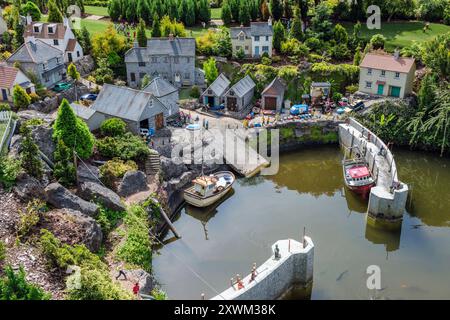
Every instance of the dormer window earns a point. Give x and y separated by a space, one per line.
36 29
369 71
50 30
55 42
256 38
45 65
241 37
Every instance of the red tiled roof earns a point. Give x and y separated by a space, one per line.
71 45
7 76
387 62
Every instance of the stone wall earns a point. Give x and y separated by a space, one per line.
49 105
276 276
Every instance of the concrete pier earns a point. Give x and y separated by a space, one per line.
387 200
277 275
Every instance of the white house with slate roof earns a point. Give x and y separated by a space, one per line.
214 95
41 59
240 95
139 109
254 40
172 59
166 93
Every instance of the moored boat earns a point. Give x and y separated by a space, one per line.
357 176
207 189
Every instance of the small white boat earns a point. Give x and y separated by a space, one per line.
209 189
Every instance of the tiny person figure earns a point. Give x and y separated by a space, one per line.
136 288
277 252
240 285
253 274
121 273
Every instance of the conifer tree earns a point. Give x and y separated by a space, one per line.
296 27
64 170
54 14
156 27
29 155
140 34
226 13
276 9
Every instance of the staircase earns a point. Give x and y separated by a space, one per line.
152 164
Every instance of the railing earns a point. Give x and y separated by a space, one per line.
5 116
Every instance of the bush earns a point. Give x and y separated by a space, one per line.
14 286
195 92
113 127
30 217
10 169
266 61
125 147
2 251
5 107
340 52
33 122
240 54
64 171
29 156
107 219
293 47
34 97
20 97
337 96
313 43
377 41
351 88
114 169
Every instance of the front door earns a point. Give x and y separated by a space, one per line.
4 95
232 104
380 89
69 56
270 103
159 121
395 92
257 51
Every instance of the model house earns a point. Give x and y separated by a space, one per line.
240 95
57 35
386 75
319 91
41 59
214 95
172 59
254 40
272 96
10 77
165 92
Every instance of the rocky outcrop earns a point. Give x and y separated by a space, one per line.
145 280
170 169
28 188
132 182
43 136
15 145
180 182
87 173
85 65
98 193
73 227
60 197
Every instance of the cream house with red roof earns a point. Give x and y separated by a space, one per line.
386 75
58 35
9 77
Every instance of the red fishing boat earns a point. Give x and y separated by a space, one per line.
357 176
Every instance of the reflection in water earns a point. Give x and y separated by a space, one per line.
309 191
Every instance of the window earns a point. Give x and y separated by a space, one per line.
45 65
383 73
246 47
369 71
57 60
256 38
368 84
141 64
397 75
46 79
267 38
36 29
166 59
154 60
56 42
78 54
265 48
241 38
238 48
50 29
132 77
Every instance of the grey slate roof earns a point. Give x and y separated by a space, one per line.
234 32
219 86
160 87
277 85
162 46
243 86
83 112
122 102
320 84
37 52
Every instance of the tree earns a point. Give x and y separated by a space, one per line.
303 5
21 99
29 155
210 68
426 94
141 37
73 131
18 27
226 13
14 286
296 27
224 47
190 15
156 27
377 41
106 42
143 10
340 34
204 11
279 35
84 39
254 9
276 9
436 55
32 9
244 13
54 14
73 73
114 10
234 6
357 57
145 81
64 171
321 23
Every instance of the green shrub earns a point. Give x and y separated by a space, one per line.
337 96
34 97
14 286
5 107
113 127
351 88
30 217
158 294
293 47
240 54
29 156
20 97
136 249
313 43
107 219
2 251
195 92
266 61
125 147
64 171
377 41
10 168
114 169
34 122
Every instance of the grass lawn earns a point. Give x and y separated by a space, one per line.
401 34
185 94
216 13
98 11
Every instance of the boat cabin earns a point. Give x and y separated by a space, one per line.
359 174
205 185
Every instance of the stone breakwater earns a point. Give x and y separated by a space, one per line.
277 275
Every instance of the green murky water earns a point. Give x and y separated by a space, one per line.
309 192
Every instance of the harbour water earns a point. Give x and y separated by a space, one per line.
309 192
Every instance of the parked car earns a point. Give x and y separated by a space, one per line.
298 109
358 106
89 96
59 87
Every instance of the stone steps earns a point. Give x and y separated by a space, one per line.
152 164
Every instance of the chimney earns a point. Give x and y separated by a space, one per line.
396 54
29 20
269 22
171 36
31 39
66 22
242 25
